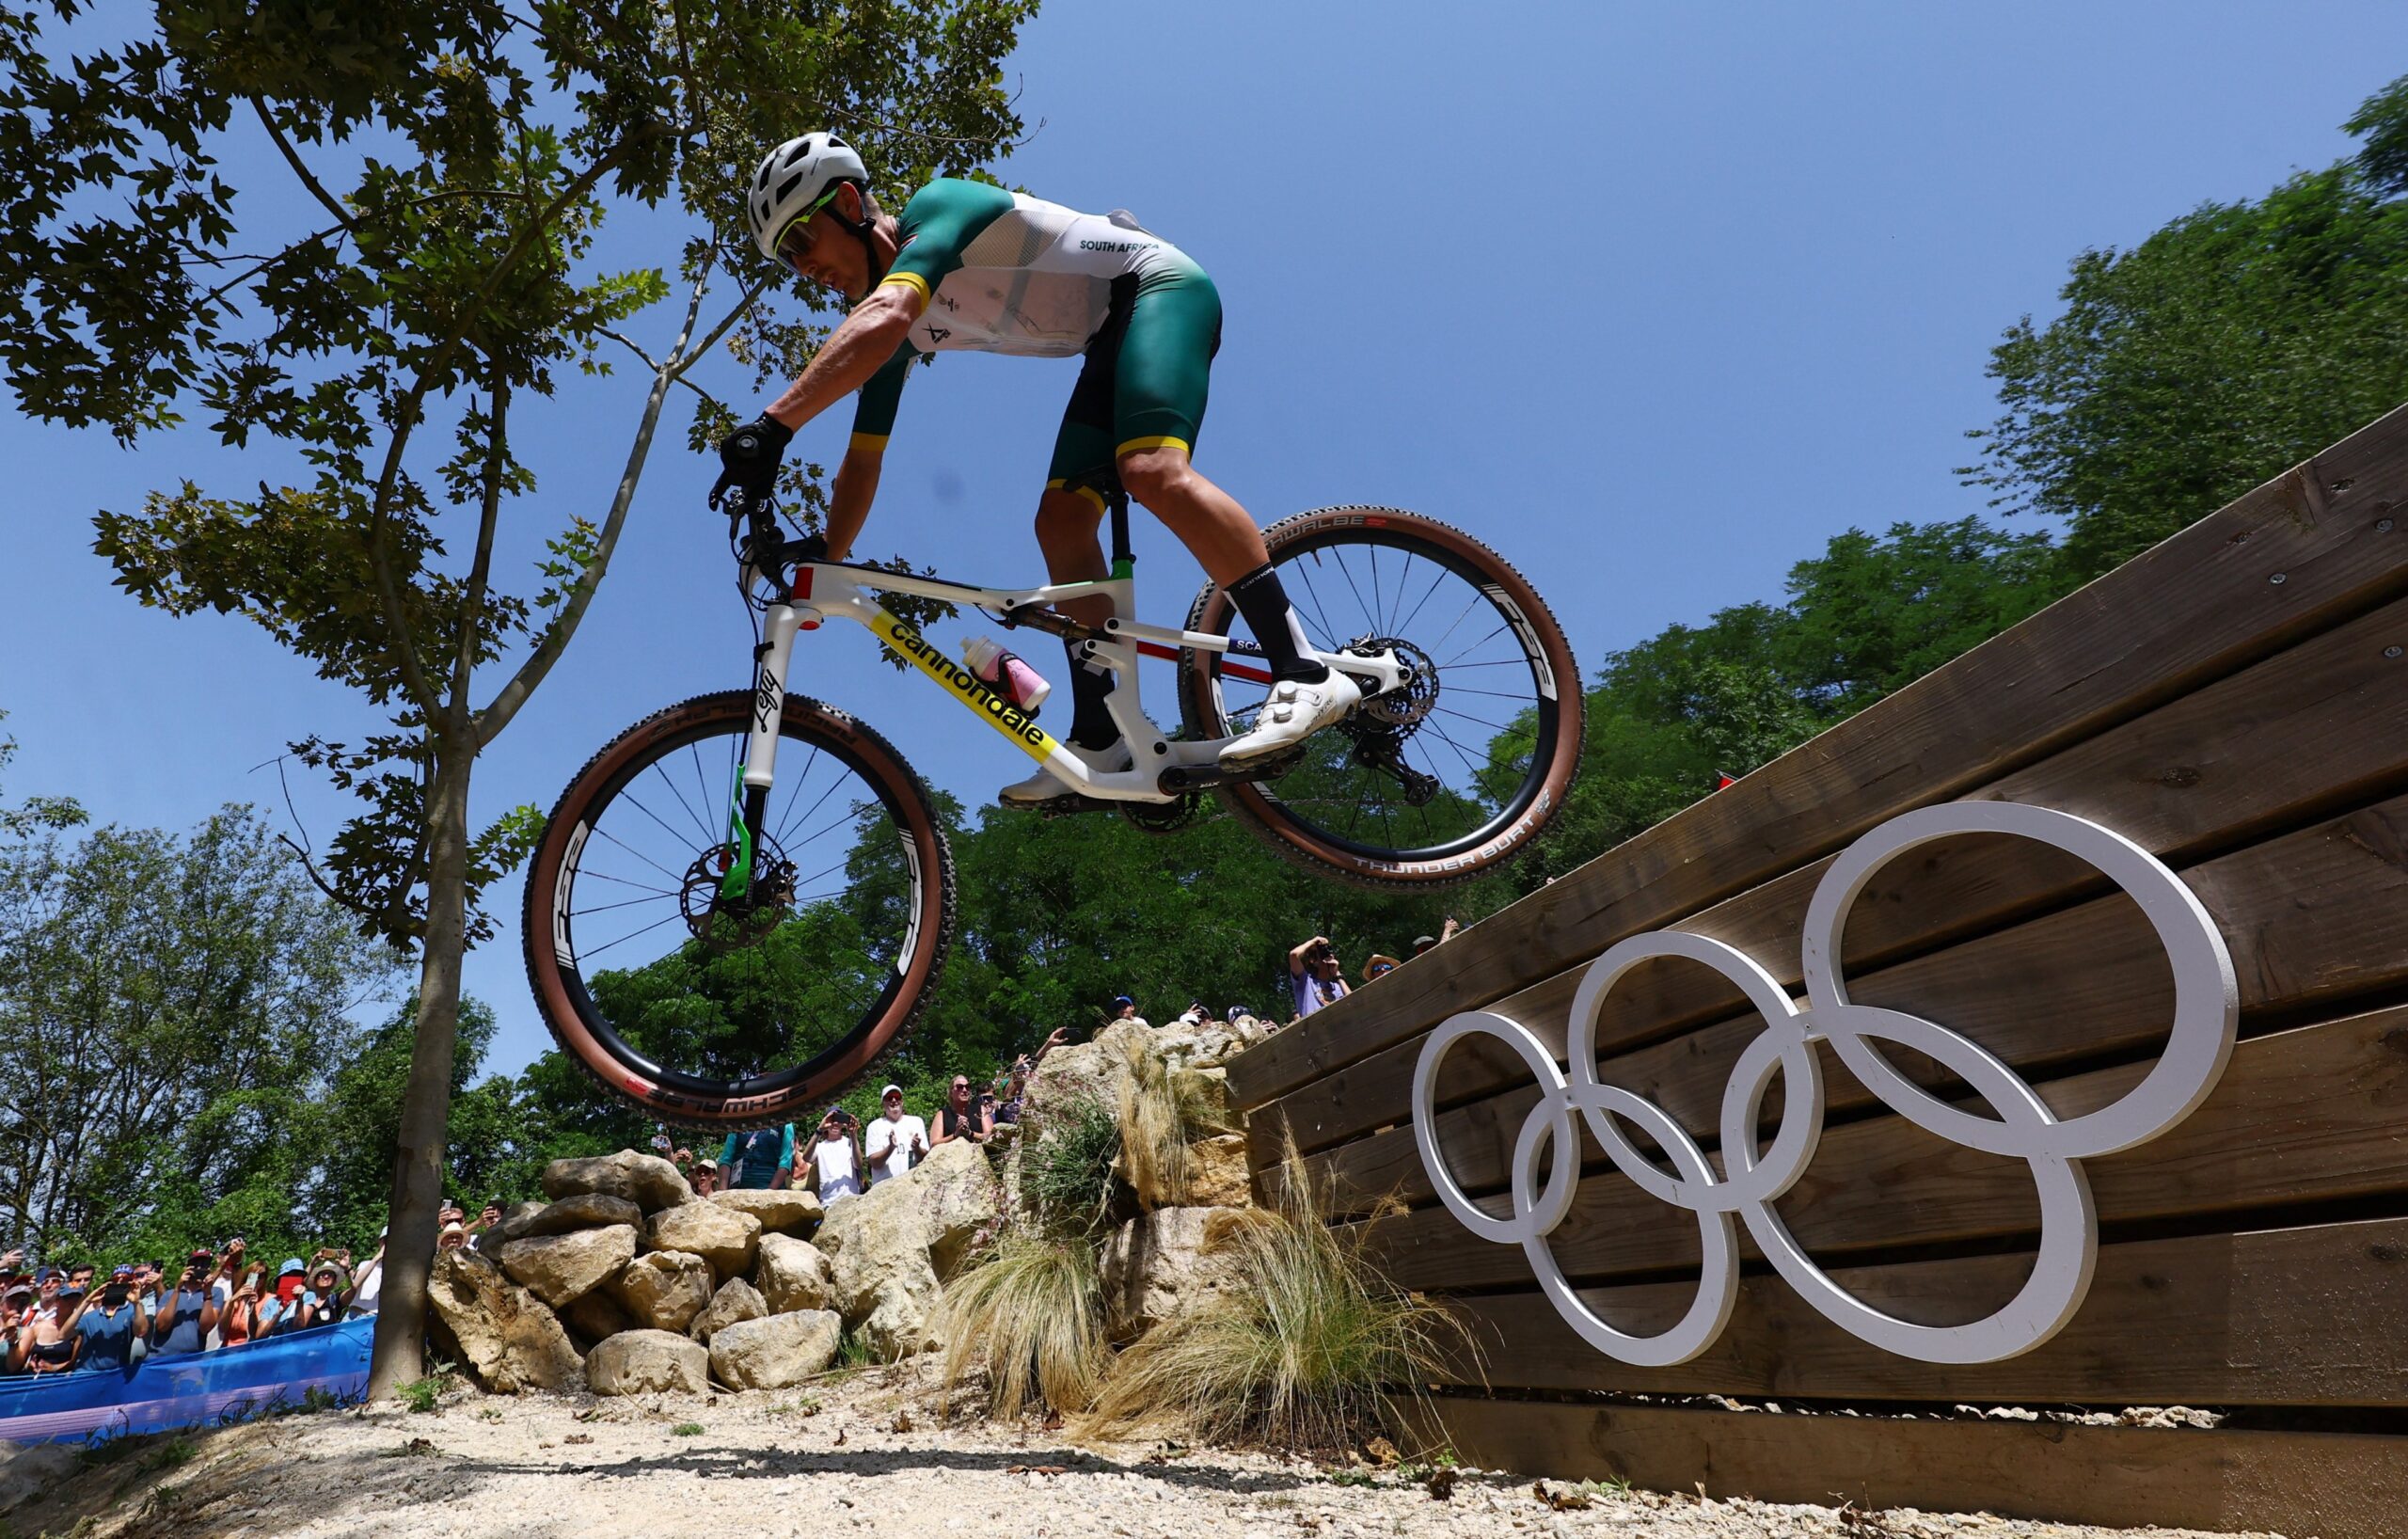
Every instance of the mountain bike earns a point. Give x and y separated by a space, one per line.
740 905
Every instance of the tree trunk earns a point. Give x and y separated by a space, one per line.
400 1355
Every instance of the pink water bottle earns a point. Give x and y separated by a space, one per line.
1006 673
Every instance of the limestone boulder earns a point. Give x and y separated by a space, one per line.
793 1274
890 1248
776 1352
636 1362
663 1290
725 1237
1219 1175
1080 1073
596 1316
735 1302
779 1213
560 1269
587 1210
515 1221
647 1181
1161 1263
503 1335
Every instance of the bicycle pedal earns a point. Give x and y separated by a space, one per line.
1202 777
1065 806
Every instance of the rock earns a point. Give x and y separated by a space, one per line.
735 1302
663 1290
560 1269
725 1237
1081 1072
636 1362
1218 1173
515 1219
1161 1263
588 1210
596 1316
779 1213
499 1332
888 1249
647 1181
793 1274
776 1352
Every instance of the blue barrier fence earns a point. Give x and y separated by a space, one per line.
194 1389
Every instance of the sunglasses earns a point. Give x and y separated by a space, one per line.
795 242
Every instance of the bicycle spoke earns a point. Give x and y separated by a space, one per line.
606 833
583 956
1502 626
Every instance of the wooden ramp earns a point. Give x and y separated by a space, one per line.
2235 704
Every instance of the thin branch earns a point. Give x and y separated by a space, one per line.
630 343
403 648
556 636
675 374
685 359
481 567
300 169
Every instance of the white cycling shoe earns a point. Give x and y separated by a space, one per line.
1291 713
1044 786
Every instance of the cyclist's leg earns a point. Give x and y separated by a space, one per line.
1069 512
1163 379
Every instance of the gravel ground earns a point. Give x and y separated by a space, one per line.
859 1455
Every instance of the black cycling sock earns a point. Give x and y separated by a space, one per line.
1091 722
1264 603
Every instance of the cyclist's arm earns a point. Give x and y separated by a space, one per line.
853 353
856 483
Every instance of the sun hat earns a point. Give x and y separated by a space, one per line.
1424 943
889 1090
1373 967
292 1264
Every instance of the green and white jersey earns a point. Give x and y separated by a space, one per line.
1002 272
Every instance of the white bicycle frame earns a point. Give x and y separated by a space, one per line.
821 590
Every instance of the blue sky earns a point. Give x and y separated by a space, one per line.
1655 299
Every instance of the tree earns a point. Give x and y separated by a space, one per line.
171 1011
39 812
2232 343
394 340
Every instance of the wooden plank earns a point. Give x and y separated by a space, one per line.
2196 775
2338 1485
2315 1316
2309 1114
2319 914
2290 559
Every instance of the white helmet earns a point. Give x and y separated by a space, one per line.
792 178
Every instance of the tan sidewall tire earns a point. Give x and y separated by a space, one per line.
859 1055
1258 811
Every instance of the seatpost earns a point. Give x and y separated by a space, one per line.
1123 561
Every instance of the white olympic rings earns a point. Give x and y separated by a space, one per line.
2206 1016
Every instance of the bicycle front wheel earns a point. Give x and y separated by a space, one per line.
1433 783
712 1004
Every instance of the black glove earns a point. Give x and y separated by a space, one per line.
748 458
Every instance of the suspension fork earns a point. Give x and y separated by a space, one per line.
748 801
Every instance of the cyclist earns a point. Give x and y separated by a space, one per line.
969 265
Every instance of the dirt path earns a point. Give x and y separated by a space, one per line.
859 1456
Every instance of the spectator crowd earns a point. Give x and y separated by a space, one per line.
55 1319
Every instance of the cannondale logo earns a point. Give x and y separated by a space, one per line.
2017 1124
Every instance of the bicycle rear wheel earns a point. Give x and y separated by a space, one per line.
712 1009
1437 781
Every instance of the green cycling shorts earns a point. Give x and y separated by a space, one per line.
1147 373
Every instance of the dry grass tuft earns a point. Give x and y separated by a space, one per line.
1161 1111
1303 1347
1030 1314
